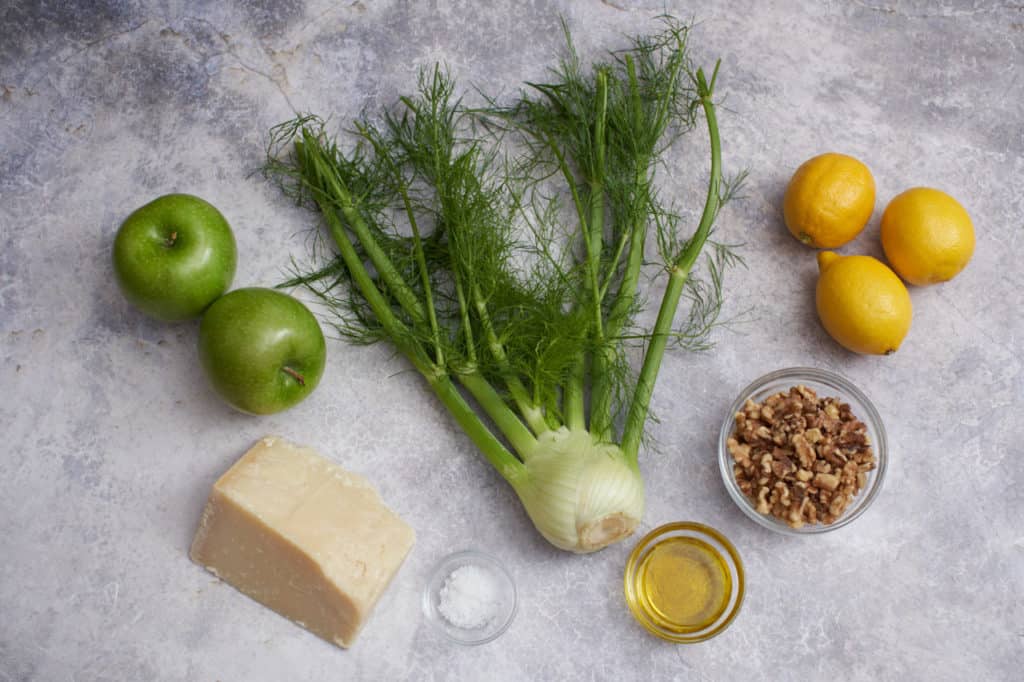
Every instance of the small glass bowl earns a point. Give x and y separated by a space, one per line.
507 597
708 540
826 384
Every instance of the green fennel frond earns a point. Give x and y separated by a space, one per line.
502 248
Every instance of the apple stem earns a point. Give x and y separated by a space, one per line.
295 375
170 240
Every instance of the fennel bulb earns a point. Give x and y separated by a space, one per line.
580 493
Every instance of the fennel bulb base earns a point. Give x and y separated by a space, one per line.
606 531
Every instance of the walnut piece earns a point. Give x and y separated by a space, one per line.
799 457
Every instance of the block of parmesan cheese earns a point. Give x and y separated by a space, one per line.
302 536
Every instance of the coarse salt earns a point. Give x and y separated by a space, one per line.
470 597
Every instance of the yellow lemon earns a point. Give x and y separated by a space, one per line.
829 200
927 236
862 303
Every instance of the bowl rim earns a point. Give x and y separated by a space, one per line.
731 556
871 418
448 563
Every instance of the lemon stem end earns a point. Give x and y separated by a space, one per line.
825 259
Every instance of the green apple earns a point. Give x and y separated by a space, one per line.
262 350
174 256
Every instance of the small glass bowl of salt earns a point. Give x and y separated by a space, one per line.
470 597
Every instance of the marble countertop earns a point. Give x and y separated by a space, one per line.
113 439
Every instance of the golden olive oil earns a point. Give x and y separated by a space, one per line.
683 583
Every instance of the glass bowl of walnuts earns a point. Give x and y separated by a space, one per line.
803 451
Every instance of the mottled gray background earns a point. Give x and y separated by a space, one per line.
111 438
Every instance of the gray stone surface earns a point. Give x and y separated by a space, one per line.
112 438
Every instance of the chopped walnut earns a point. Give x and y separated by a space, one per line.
828 481
740 453
804 450
762 503
799 457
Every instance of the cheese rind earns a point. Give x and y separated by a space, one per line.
302 536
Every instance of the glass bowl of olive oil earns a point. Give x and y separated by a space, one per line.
684 582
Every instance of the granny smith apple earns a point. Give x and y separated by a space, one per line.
174 256
262 350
